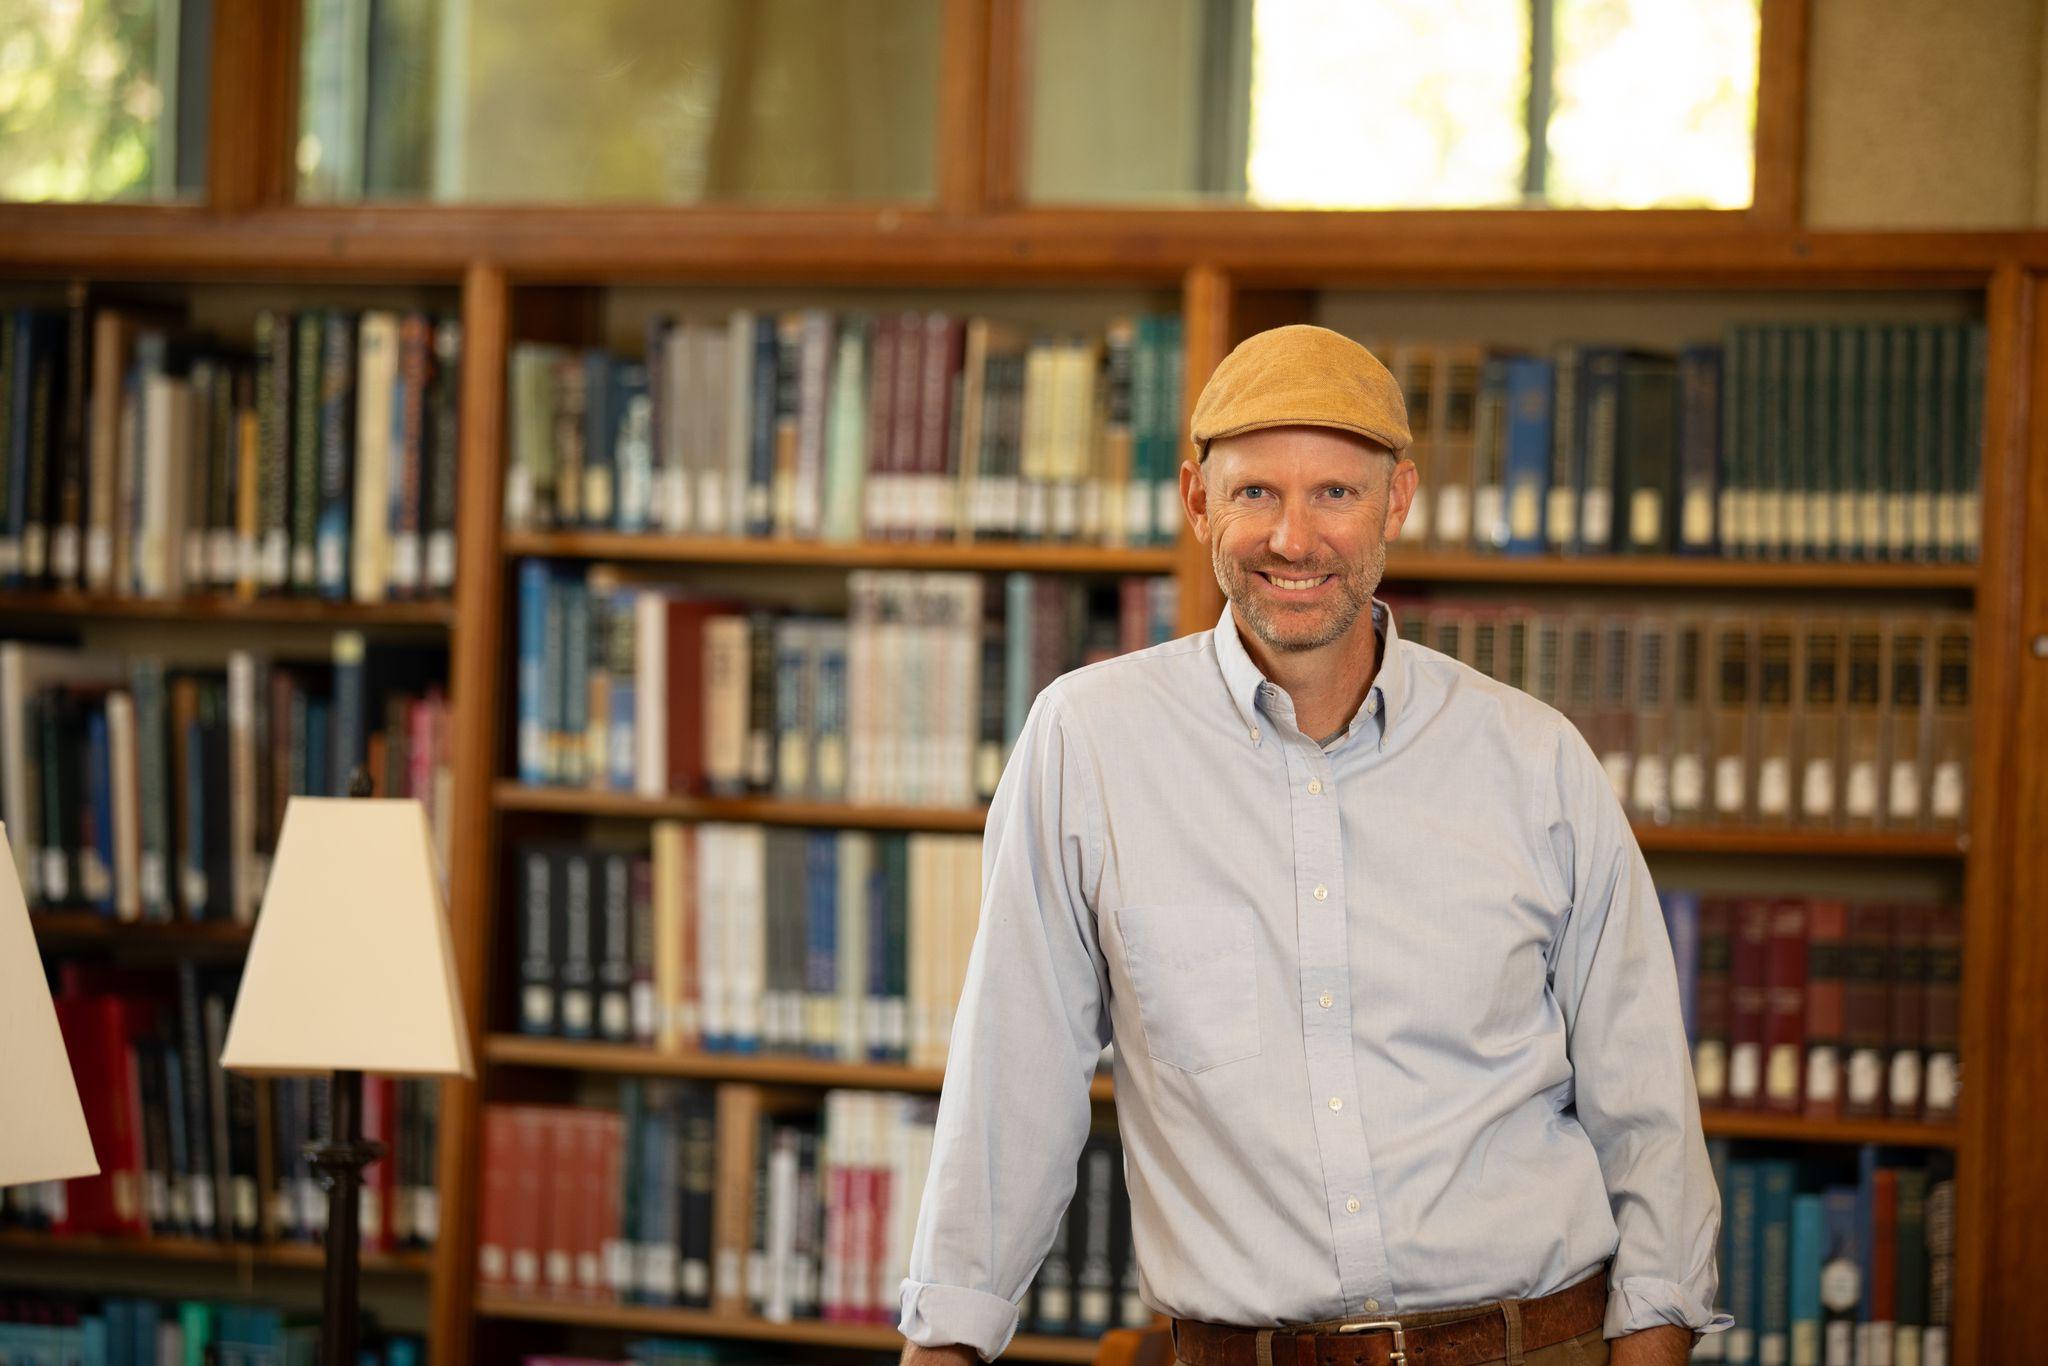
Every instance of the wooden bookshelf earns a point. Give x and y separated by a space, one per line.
294 1256
86 927
1234 270
704 1323
988 557
258 611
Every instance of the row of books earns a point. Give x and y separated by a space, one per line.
187 1149
145 792
41 1328
1088 1282
1818 1006
147 461
838 427
1813 720
1823 1267
688 1195
913 698
1804 441
841 944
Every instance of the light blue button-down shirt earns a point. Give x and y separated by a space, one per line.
1396 1017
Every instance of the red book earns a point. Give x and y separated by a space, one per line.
562 1191
686 695
532 1163
1884 1250
494 1220
1711 1001
1944 1007
1826 923
1866 1008
86 1022
881 428
944 341
907 415
602 1142
1907 1034
1748 995
1785 1006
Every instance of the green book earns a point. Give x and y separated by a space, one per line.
1923 477
1871 448
1821 430
1800 542
1898 442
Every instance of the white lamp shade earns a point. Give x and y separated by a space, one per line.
42 1128
350 967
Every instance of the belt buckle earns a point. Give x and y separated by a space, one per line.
1400 1354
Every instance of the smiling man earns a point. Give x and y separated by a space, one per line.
1400 1072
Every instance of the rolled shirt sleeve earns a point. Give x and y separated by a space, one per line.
1031 1023
1613 978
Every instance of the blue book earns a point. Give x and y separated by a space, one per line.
1809 1250
821 958
1525 461
94 1344
1775 1179
332 529
760 499
1682 924
319 747
828 711
660 1196
534 768
623 744
1743 1298
573 747
633 450
1841 1276
120 1318
98 875
147 1316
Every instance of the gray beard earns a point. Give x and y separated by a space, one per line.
1356 587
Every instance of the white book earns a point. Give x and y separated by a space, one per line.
167 433
650 693
856 866
814 368
370 527
746 925
846 438
739 423
244 891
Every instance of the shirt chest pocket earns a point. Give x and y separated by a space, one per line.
1194 974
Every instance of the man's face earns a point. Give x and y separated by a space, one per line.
1297 521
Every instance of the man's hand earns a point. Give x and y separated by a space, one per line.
914 1355
1668 1345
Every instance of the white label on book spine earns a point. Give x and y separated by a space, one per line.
1729 788
1525 514
597 494
1806 1343
1453 517
99 557
1823 1074
1066 509
1688 782
1905 1081
1798 528
405 561
1774 786
1817 788
1934 1346
1166 518
618 1266
642 997
1781 1073
1710 1069
1866 1077
1820 524
1597 518
695 1278
1770 1349
1616 762
1923 531
711 501
1841 1285
1645 518
1745 1070
220 556
1859 792
1415 530
1945 792
330 548
658 1271
490 1264
1560 518
1903 802
64 553
1696 520
194 548
1490 515
34 551
1652 788
1940 1082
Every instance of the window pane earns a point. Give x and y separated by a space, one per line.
659 101
1386 103
1655 103
103 99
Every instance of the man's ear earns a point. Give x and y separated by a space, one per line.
1400 496
1194 497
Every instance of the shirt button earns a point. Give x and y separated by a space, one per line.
1315 787
1336 1102
1352 1206
1371 1306
1322 892
1255 732
1324 1000
1372 706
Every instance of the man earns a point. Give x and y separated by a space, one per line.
1400 1061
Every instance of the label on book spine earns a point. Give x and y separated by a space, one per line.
1903 803
1904 1089
1945 792
1866 1077
1728 785
1823 1074
1817 788
1688 782
1859 790
1774 786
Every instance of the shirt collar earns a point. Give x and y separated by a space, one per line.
1243 678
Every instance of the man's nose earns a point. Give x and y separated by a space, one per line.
1292 534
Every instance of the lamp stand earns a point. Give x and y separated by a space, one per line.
338 1163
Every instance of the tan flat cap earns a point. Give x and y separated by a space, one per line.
1301 376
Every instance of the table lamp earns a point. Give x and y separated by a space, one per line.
350 971
42 1127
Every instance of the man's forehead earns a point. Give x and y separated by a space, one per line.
1279 449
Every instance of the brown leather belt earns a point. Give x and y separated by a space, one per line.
1441 1337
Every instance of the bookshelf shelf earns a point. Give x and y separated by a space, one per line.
291 1256
1899 1133
517 1050
986 556
76 927
1657 571
570 801
252 611
704 1323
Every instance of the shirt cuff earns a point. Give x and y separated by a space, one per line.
945 1315
1640 1302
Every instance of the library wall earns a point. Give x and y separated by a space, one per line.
1926 114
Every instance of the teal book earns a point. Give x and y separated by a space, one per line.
1744 1299
1775 1179
1809 1250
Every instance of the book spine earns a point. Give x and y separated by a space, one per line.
337 446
